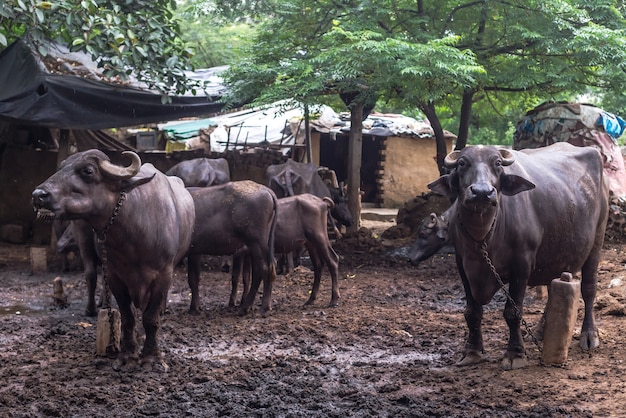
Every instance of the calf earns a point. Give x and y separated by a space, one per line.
292 178
301 221
432 235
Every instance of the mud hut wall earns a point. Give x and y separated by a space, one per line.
252 165
408 168
21 170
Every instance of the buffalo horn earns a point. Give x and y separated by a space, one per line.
451 159
507 156
119 172
433 221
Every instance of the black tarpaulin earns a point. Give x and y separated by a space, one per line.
31 94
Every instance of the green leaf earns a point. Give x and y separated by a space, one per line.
40 16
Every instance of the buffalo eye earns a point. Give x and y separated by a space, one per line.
87 172
462 163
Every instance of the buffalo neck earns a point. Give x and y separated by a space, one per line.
477 225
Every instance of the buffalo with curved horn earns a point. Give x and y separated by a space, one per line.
121 204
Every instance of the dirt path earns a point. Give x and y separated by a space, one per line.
388 350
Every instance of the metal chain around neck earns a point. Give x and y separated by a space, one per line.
111 349
518 313
102 237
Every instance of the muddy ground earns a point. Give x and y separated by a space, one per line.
388 350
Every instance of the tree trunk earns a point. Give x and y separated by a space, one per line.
442 151
464 122
355 151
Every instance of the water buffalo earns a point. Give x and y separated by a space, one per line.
201 172
293 178
532 214
432 235
79 235
228 217
301 221
145 220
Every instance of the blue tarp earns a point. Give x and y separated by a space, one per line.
186 130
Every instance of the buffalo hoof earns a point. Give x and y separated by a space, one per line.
469 358
514 363
154 364
333 304
243 311
91 312
126 363
589 339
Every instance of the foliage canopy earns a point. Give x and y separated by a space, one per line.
137 38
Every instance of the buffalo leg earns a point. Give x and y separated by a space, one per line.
91 277
246 277
472 353
193 278
234 278
248 300
151 320
260 272
89 258
331 259
128 346
589 338
515 355
318 266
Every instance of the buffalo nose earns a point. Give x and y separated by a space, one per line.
483 191
40 197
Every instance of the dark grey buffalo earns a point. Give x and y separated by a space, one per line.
536 213
228 217
201 172
432 235
146 220
292 178
301 221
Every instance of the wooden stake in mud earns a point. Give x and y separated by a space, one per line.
108 332
59 296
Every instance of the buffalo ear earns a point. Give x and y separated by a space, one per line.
446 185
135 181
511 184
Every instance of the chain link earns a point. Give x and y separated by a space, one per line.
111 349
518 313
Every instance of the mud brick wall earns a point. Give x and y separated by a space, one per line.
252 165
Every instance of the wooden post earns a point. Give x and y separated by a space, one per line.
108 332
59 296
355 152
307 133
